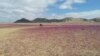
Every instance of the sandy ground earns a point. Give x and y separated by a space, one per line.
50 40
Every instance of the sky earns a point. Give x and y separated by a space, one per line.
12 10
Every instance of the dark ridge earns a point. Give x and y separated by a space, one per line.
23 20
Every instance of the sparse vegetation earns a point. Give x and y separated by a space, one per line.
50 40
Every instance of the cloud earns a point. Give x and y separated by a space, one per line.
85 14
68 4
24 8
30 9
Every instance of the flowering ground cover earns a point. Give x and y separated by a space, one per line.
50 40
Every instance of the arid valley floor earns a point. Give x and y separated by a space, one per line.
50 40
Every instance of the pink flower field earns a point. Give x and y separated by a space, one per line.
49 40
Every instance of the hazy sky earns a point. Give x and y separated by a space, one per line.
11 10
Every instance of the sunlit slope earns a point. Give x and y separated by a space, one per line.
6 33
11 30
